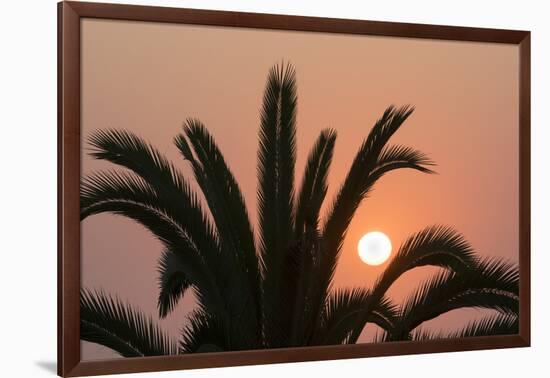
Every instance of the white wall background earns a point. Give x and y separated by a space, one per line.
28 186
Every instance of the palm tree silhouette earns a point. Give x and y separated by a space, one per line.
276 290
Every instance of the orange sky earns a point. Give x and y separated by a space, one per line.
149 77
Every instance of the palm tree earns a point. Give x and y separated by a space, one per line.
274 288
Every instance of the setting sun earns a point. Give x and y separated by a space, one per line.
374 248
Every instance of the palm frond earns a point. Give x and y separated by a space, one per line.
105 186
111 323
276 161
350 309
221 190
226 203
491 325
398 157
314 185
359 179
129 195
363 174
128 150
173 194
439 246
384 315
286 149
492 284
436 246
341 310
203 333
172 282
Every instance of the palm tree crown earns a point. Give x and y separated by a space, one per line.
275 288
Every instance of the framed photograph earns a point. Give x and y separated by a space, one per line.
239 188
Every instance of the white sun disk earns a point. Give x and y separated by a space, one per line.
374 248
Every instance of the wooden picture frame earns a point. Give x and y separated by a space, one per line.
70 15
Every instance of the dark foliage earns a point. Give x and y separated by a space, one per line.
109 322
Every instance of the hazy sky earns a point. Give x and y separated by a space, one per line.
149 77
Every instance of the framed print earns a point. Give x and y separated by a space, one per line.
239 188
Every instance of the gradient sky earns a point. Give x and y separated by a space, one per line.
149 77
